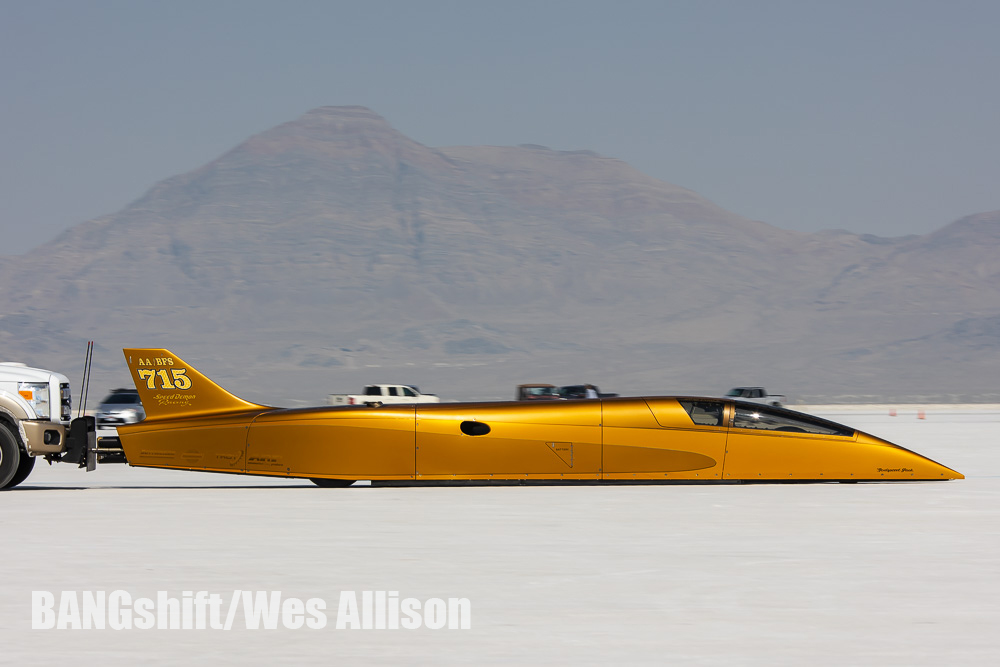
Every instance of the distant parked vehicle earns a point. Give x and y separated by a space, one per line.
537 392
757 395
580 391
121 406
383 394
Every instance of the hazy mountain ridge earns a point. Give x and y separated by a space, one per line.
335 242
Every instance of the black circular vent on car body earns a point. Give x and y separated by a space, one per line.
475 428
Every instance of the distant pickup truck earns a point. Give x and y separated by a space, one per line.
383 394
757 395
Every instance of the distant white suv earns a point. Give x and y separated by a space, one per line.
121 406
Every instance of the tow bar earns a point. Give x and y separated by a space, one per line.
84 448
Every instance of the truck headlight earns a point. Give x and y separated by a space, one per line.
37 395
66 401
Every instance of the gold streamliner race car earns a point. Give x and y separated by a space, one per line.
193 424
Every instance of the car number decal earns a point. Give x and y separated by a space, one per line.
176 379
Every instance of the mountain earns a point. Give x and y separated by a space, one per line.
333 251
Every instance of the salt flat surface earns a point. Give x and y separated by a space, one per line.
829 574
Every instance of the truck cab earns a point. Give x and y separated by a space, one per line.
537 392
394 390
756 395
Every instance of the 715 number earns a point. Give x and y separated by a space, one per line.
177 379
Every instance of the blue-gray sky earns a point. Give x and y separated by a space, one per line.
876 116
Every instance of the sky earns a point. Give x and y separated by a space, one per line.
878 117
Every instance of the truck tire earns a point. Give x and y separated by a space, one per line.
23 470
10 455
331 483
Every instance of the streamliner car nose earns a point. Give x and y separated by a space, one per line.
775 444
897 462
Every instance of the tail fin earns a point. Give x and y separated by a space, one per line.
169 387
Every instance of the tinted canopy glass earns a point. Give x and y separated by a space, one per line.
705 413
770 419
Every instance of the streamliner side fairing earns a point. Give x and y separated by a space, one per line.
193 424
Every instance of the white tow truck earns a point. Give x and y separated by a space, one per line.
383 394
36 419
35 412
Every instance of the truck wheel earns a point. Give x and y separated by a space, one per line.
23 470
10 455
331 483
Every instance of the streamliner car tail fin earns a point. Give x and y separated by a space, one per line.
169 387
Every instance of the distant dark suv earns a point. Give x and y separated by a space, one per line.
121 406
580 391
